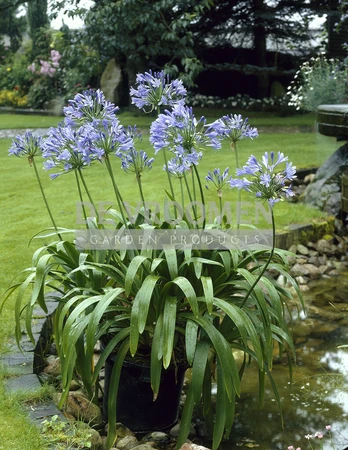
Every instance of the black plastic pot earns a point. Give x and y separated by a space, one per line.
135 406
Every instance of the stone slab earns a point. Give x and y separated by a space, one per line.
40 412
28 383
19 362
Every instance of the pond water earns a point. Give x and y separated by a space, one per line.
318 395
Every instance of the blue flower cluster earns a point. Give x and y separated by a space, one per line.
27 145
154 89
218 180
182 134
265 182
91 132
234 128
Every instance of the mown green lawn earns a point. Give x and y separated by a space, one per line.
10 121
23 215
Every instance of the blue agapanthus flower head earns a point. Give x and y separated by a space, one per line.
108 137
218 180
154 89
265 179
87 106
180 132
68 148
177 167
26 145
135 161
233 128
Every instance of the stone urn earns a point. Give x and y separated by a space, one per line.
325 192
333 120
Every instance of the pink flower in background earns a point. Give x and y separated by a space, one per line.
328 427
48 68
55 57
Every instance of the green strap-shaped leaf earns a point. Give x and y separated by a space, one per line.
199 367
113 390
156 355
42 269
207 397
245 326
226 261
221 400
284 336
18 311
132 271
261 388
140 310
191 332
97 315
187 288
110 348
169 321
172 262
223 351
155 263
207 284
265 316
230 413
186 417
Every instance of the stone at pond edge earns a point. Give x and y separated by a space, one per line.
53 366
190 446
127 443
302 249
158 437
79 406
324 191
176 428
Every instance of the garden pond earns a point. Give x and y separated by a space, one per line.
318 394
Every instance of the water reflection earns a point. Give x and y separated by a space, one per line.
319 393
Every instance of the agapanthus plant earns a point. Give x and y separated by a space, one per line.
174 305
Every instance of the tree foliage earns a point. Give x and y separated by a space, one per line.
142 34
10 24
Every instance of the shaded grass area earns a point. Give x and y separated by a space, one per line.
16 432
11 121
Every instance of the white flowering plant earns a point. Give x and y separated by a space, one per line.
209 306
319 81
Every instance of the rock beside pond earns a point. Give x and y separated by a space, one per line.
127 443
324 191
53 366
81 408
302 249
191 446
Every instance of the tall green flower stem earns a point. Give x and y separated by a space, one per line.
233 146
138 177
191 200
88 193
201 194
81 198
182 194
32 160
267 262
166 165
116 190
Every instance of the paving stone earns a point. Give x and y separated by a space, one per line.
21 362
43 411
28 383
